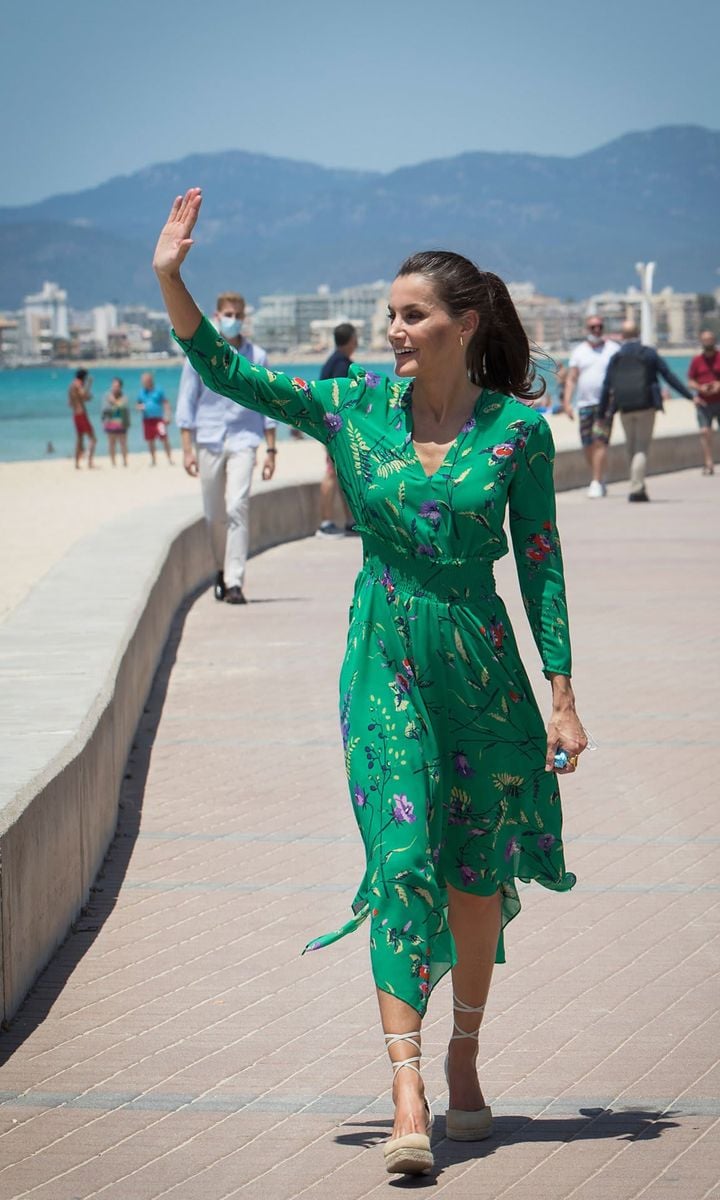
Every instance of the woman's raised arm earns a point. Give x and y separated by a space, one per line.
171 251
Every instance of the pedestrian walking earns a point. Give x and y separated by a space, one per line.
220 440
337 366
156 413
632 389
583 383
704 379
79 396
116 420
450 767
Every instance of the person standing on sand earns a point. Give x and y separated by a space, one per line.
704 379
79 395
156 416
337 366
116 420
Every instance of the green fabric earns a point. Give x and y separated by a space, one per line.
444 743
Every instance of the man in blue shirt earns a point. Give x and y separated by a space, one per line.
156 416
631 388
219 442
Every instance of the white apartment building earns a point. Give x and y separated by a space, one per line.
44 321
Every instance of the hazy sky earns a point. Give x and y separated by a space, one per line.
90 89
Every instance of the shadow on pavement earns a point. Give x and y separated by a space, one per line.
106 888
590 1124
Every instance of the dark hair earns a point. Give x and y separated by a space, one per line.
81 373
344 333
498 356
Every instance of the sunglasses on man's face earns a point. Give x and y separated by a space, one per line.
596 328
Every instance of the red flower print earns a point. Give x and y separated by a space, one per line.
301 383
497 633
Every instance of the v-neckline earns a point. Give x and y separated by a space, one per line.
409 429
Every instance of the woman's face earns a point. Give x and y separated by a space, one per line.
423 335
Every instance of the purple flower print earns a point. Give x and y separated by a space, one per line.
462 766
467 875
359 796
428 550
403 810
546 841
469 424
431 510
333 422
345 731
513 847
371 379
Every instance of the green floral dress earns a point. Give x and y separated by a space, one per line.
444 742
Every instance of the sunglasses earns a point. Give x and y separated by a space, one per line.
596 328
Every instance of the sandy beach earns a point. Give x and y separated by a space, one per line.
51 505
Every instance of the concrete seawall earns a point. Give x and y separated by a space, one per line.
77 659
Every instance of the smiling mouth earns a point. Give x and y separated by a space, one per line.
404 350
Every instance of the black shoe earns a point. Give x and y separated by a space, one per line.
219 588
350 530
235 595
638 497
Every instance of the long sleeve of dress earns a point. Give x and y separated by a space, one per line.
312 407
536 546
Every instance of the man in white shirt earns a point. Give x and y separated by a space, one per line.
219 442
586 374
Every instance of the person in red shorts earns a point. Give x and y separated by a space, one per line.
79 395
156 416
704 379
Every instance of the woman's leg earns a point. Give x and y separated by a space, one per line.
475 926
111 447
408 1089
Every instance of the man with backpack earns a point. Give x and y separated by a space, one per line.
632 389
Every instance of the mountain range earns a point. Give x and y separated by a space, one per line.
572 226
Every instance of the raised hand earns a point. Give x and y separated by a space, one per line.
175 238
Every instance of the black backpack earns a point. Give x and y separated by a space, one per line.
630 381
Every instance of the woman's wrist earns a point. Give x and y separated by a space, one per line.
563 696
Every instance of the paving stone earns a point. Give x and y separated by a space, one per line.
191 1053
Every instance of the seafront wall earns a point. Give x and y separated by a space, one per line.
77 659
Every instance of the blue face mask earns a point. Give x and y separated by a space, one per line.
230 327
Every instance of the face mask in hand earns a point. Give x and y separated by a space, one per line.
230 327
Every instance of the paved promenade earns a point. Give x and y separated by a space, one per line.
178 1046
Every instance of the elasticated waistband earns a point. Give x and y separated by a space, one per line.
425 575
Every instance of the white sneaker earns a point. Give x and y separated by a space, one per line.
596 491
328 529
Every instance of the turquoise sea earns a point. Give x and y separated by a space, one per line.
34 413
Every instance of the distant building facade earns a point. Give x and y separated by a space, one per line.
44 322
676 315
286 321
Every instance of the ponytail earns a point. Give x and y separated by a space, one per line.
498 356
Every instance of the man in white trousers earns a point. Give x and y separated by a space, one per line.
219 442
